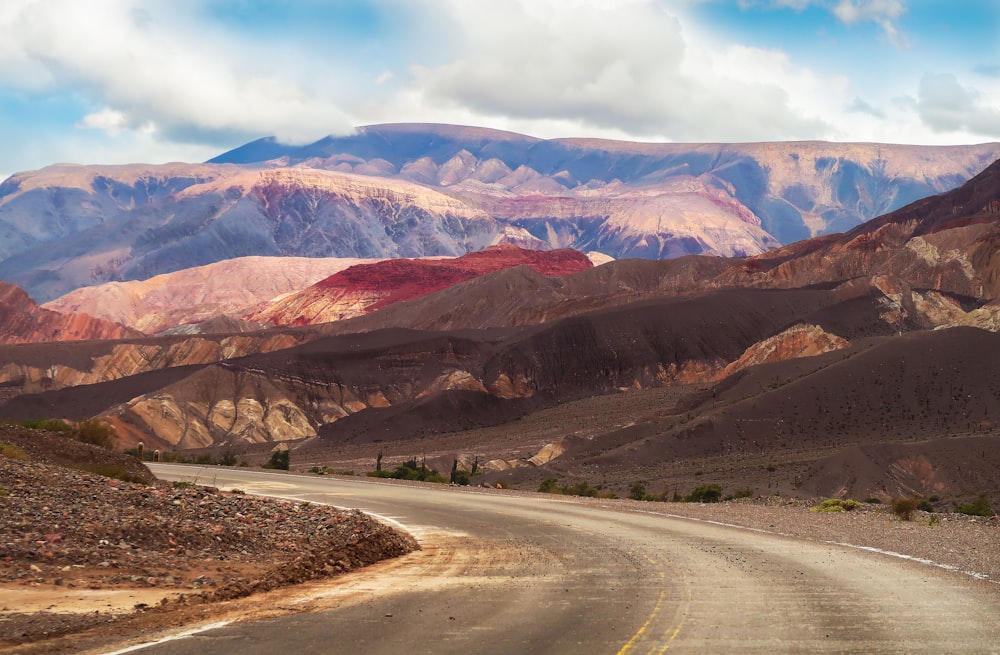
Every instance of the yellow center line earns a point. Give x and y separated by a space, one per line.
645 626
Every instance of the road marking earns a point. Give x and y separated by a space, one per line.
645 626
173 637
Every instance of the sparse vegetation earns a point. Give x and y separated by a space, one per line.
582 488
706 493
978 507
904 507
410 470
872 500
836 505
10 451
92 430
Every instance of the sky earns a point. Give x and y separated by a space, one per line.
122 81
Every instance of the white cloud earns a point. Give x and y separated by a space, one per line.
627 65
945 105
156 64
883 13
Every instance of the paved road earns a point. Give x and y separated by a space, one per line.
510 574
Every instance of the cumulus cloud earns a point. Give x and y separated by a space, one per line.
627 65
945 105
157 65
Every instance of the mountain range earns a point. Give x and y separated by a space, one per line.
432 190
854 363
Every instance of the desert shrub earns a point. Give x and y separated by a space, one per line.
743 493
706 493
836 505
925 506
183 484
410 470
280 460
904 507
238 492
872 500
935 520
96 432
549 486
10 451
638 491
978 507
49 425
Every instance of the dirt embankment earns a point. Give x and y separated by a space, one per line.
80 551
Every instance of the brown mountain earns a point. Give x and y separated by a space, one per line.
23 321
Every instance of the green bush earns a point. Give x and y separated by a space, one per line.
706 493
637 491
836 505
549 486
978 507
925 506
280 460
410 470
743 493
904 507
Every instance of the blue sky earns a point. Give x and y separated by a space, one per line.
117 81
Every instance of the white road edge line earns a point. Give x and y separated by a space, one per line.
173 637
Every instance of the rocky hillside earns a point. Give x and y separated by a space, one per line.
22 321
192 296
365 288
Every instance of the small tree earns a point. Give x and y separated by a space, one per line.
637 491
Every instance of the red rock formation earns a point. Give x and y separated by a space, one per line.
368 287
23 321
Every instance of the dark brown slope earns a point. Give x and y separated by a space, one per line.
640 345
831 411
948 243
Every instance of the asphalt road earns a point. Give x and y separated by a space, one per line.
512 574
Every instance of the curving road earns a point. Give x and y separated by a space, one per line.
510 574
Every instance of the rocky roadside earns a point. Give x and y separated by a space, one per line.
69 530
